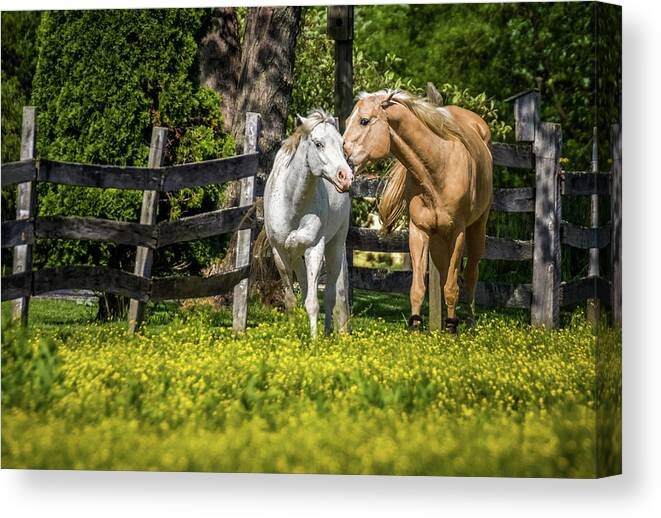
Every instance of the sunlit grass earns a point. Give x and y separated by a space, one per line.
501 399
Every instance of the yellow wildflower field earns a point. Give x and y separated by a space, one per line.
503 399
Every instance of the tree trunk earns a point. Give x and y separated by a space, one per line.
220 59
257 77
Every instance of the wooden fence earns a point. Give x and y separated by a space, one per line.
539 147
147 235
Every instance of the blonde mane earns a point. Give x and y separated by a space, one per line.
312 120
438 119
391 205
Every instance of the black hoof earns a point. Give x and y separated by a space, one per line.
451 325
415 323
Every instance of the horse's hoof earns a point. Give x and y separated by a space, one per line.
451 325
415 323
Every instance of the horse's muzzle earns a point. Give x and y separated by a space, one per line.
343 180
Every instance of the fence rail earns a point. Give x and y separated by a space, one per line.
147 235
161 179
487 294
110 280
165 233
371 240
585 237
580 290
518 156
577 183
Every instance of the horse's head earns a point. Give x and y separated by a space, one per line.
367 135
324 154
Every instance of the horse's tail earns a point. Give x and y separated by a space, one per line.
392 205
262 259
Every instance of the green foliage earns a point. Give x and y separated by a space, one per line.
103 79
502 49
19 59
314 83
503 399
481 104
31 369
13 100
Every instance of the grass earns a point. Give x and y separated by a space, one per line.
501 399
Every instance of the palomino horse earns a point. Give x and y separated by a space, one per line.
442 174
306 216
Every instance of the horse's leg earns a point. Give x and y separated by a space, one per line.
314 256
418 249
335 297
475 238
284 271
330 296
307 233
301 276
451 289
342 310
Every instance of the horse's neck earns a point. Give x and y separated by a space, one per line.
411 144
297 181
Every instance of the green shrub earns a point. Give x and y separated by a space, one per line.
103 79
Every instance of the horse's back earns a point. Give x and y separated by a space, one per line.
477 131
467 119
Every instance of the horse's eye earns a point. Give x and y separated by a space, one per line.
320 145
364 121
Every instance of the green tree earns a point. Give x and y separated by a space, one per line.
103 79
19 59
499 49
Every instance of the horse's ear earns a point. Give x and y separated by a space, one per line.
336 123
299 120
389 99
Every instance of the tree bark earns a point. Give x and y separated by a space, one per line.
266 77
257 76
220 59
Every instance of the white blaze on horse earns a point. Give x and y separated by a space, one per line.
306 217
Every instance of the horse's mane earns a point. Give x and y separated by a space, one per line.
312 120
438 119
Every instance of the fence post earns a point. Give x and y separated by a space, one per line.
527 107
144 256
593 307
616 223
25 209
545 309
244 237
340 29
435 289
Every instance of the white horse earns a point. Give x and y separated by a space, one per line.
307 209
